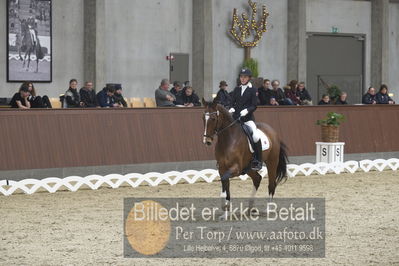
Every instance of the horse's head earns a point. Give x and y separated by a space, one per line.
211 118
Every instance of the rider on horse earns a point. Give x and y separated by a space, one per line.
244 104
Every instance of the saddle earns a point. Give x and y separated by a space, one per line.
264 139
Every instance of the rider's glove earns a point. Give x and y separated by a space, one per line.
232 110
244 112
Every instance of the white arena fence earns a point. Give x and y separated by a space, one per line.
74 183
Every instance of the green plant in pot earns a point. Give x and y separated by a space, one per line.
330 126
334 92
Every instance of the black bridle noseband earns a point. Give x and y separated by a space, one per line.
218 131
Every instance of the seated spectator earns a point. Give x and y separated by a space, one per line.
88 95
303 94
265 93
325 100
176 88
35 100
290 92
278 93
342 99
273 102
188 98
105 97
223 97
118 97
72 97
383 97
370 97
20 99
163 96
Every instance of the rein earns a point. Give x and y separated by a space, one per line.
217 132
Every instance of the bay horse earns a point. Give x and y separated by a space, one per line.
232 151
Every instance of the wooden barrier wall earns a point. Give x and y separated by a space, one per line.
38 139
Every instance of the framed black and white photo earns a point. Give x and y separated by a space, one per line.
29 41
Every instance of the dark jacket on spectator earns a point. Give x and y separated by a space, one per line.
183 99
290 94
279 96
104 100
88 97
369 99
173 91
120 100
72 99
383 98
303 95
339 102
324 103
223 97
15 98
264 96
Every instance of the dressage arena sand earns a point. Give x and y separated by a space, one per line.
85 227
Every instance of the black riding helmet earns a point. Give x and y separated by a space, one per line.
245 72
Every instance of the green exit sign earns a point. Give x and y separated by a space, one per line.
334 29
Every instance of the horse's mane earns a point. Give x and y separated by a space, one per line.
225 112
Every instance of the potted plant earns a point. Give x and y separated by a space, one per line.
334 92
330 127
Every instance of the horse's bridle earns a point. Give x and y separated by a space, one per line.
218 131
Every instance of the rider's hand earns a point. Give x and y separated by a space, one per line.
232 110
244 112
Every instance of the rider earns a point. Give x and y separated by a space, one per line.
244 104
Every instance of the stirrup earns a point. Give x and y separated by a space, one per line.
256 165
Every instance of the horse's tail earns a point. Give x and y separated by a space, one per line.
282 164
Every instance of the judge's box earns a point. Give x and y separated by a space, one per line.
330 152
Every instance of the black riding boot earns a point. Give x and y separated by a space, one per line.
257 160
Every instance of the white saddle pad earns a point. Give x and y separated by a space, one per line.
264 139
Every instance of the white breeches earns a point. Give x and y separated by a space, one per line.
255 135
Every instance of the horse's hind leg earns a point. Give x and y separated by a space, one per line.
256 179
272 174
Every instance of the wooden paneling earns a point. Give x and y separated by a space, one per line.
37 139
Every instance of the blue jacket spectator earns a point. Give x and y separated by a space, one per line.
105 97
383 97
370 97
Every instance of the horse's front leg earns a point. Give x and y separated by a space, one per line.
27 68
225 176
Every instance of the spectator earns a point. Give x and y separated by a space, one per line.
163 96
342 99
35 100
105 97
118 97
303 94
370 97
72 97
325 100
290 92
20 99
176 88
188 98
278 93
88 95
223 97
273 102
265 93
383 97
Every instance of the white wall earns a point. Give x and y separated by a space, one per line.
67 49
140 34
271 52
394 50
